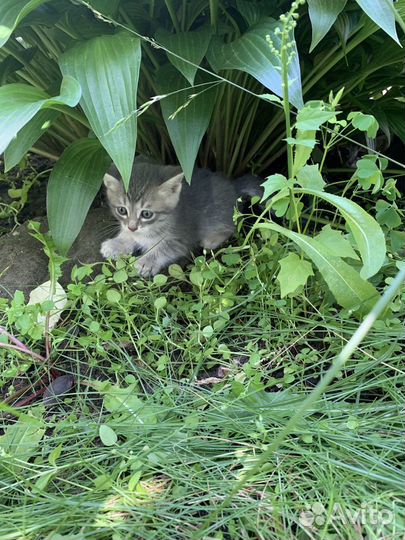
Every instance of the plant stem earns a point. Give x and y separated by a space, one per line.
286 104
22 350
214 14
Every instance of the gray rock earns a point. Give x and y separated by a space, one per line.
24 266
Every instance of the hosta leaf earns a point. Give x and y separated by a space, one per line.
367 232
20 102
382 13
252 12
323 13
73 184
346 285
27 136
107 68
8 66
11 13
294 273
186 119
106 7
189 45
251 53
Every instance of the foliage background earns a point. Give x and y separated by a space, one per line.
157 430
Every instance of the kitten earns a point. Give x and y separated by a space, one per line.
165 219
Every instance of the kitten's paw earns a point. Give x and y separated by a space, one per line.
111 249
146 269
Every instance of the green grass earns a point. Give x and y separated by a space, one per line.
141 366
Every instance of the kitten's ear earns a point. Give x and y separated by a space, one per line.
170 190
112 183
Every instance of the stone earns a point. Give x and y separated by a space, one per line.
24 265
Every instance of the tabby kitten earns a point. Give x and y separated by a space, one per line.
164 219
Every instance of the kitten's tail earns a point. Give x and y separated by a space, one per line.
248 186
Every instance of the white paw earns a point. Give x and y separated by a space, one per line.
145 268
111 248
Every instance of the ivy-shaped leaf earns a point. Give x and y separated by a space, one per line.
294 273
336 243
309 177
273 184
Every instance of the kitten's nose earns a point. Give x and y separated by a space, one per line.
132 227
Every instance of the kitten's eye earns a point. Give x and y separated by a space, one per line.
122 211
147 214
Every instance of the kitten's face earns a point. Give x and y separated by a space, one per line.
144 210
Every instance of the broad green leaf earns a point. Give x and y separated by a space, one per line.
252 12
387 214
251 53
20 102
186 113
313 115
191 46
294 273
309 177
397 241
364 122
73 184
336 243
20 440
369 174
27 136
12 12
304 144
382 12
273 183
107 435
280 206
367 232
346 285
323 13
107 68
